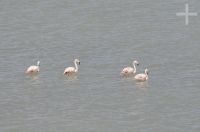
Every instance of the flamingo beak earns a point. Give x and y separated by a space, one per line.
79 62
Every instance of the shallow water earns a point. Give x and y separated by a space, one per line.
106 36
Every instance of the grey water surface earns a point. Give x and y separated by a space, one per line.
105 35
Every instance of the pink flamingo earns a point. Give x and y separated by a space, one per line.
127 71
142 76
33 69
72 70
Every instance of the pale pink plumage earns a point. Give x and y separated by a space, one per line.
72 70
142 76
69 70
33 69
127 71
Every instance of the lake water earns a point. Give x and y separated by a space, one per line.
106 35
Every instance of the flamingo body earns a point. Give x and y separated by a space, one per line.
69 70
127 70
33 69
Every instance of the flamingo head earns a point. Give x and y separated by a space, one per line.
77 61
136 62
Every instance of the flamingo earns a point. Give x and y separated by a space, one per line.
127 71
142 76
33 69
72 70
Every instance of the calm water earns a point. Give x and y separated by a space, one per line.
106 35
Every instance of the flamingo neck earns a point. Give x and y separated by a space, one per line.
76 66
38 63
147 77
134 67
